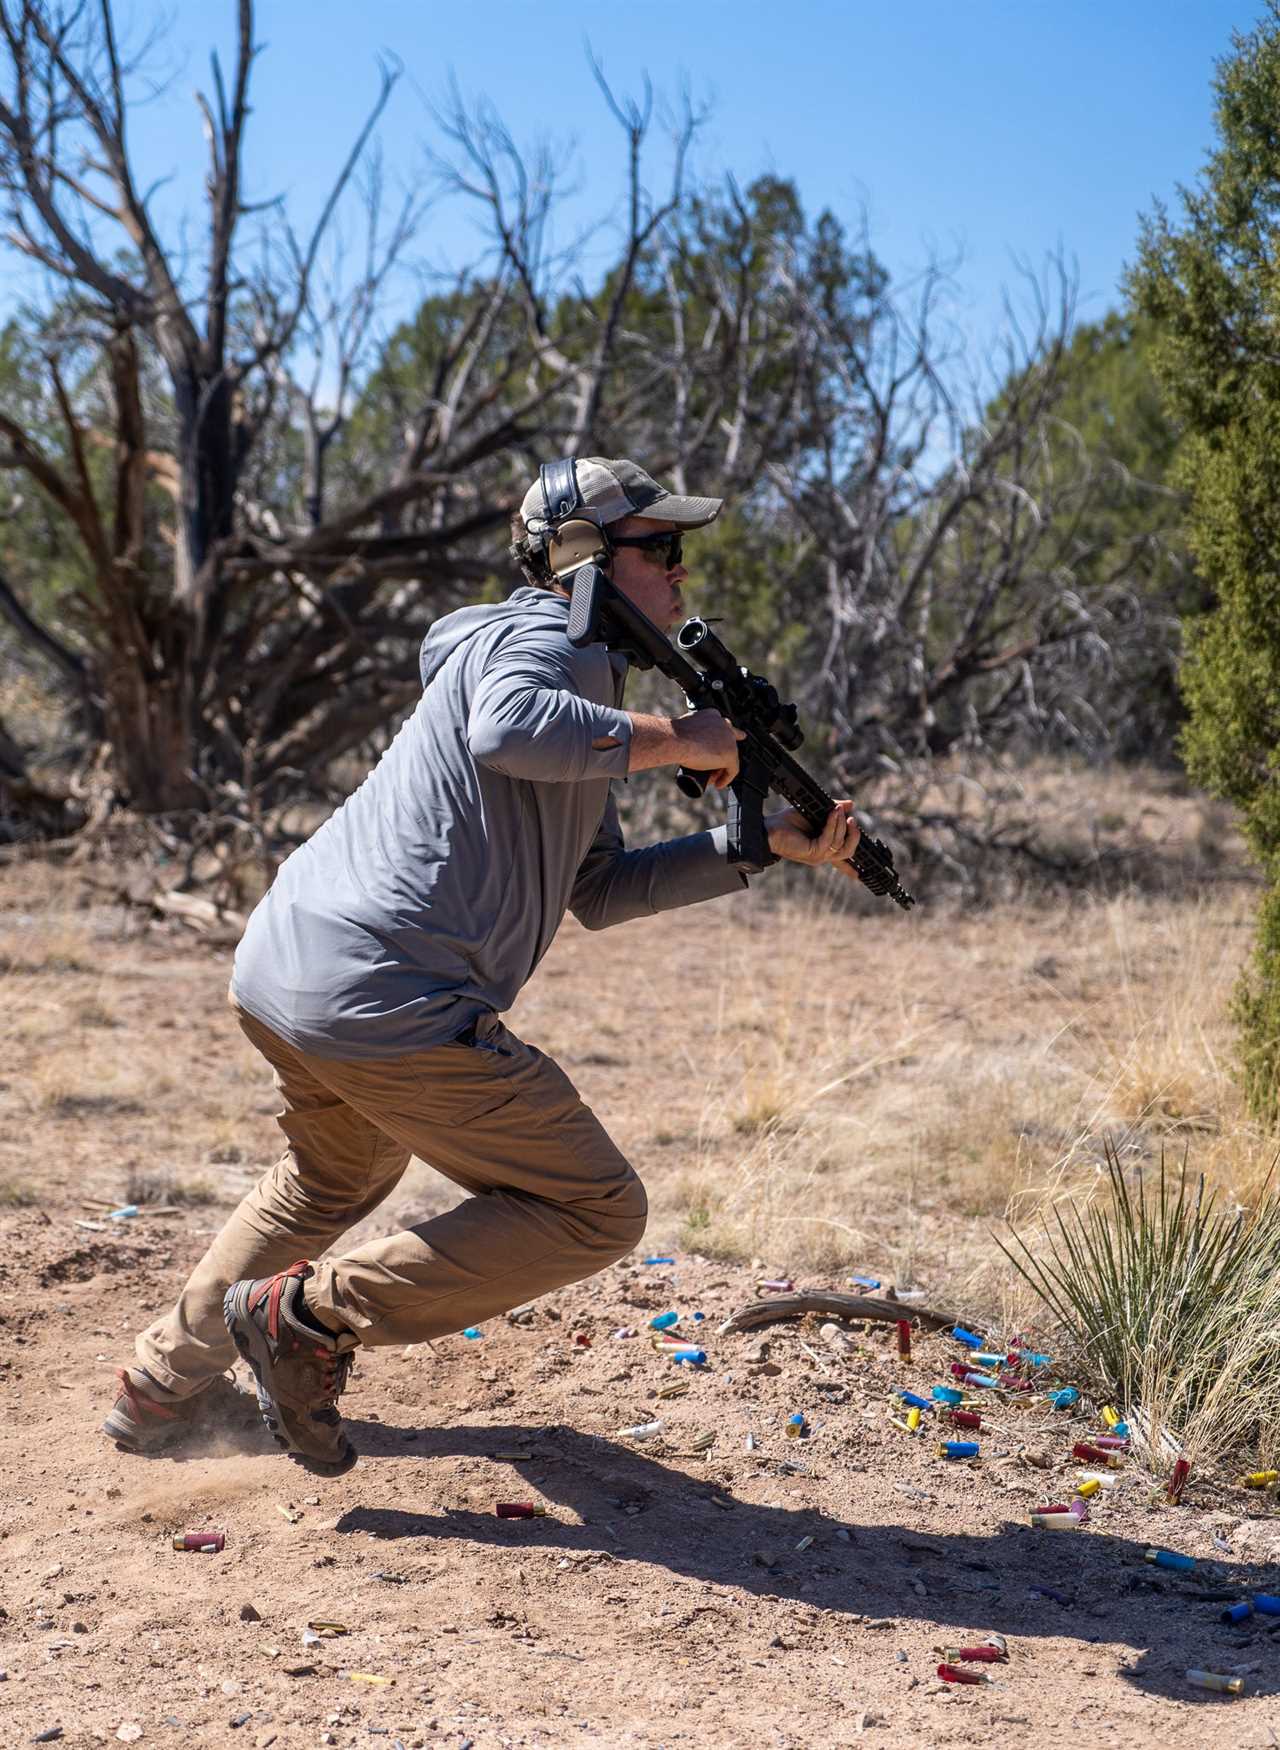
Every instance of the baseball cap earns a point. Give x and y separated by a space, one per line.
612 490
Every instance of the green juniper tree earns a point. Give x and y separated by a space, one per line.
1208 280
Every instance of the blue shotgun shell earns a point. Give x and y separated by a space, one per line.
1266 1604
664 1321
958 1449
473 1331
1238 1612
1121 1430
657 1260
947 1394
916 1402
1063 1400
1168 1558
967 1338
866 1281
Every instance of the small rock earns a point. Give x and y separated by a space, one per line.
53 1572
237 1720
229 1686
48 1735
311 1500
843 1535
901 1656
328 1738
264 1739
129 1732
778 1641
249 1614
79 1628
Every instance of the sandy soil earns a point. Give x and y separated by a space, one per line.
664 1599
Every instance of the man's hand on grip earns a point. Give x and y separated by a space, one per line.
708 742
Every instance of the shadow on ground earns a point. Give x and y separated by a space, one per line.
1094 1587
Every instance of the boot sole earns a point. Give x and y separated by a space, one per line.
253 1348
127 1439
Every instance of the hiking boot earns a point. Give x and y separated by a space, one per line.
300 1369
147 1418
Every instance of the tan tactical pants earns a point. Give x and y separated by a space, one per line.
552 1199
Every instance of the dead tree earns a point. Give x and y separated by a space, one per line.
187 637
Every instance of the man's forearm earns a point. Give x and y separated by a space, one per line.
702 740
655 741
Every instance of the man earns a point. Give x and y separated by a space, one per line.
373 974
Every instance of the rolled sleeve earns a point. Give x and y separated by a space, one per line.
529 718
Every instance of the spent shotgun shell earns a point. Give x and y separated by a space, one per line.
1216 1680
904 1339
1111 1442
1109 1416
986 1654
1266 1604
780 1285
1054 1521
1088 1488
957 1449
865 1281
913 1419
1260 1479
946 1394
1063 1400
966 1337
1168 1558
664 1321
914 1400
1178 1481
962 1418
1238 1612
953 1674
796 1425
209 1542
1095 1455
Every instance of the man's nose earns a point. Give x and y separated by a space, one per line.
677 574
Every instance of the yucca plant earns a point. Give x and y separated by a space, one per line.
1171 1302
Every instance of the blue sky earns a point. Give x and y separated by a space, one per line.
999 129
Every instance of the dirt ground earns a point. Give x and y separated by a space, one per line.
665 1597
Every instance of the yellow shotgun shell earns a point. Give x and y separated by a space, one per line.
1259 1479
1088 1489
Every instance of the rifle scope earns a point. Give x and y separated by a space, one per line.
752 700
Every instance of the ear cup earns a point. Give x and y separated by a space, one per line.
575 543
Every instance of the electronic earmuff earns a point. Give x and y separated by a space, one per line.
571 541
576 542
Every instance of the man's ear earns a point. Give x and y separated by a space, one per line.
576 543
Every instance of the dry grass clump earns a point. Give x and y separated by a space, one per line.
145 1186
1173 1302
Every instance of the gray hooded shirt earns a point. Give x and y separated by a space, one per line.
431 894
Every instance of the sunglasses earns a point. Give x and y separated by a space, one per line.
664 550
